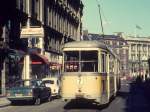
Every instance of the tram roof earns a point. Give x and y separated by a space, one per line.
85 44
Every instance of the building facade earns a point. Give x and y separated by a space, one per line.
50 24
139 53
120 47
7 14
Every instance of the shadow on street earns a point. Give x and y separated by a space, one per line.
27 103
83 104
136 98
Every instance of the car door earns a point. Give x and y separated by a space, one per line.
44 91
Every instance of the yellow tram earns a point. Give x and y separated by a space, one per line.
90 71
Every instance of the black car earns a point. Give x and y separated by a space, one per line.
29 90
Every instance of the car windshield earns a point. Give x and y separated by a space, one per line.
48 81
25 83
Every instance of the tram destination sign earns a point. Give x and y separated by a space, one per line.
30 32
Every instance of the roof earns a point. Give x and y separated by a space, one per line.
141 39
85 44
50 78
92 36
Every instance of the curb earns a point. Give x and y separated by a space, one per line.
4 102
4 105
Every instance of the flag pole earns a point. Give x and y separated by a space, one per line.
135 35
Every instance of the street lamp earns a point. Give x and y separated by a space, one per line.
139 59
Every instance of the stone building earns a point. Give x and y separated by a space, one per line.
50 24
139 53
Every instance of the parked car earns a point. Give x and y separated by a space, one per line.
29 90
54 84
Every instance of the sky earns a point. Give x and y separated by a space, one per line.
117 16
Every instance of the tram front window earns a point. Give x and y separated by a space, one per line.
89 61
81 61
71 61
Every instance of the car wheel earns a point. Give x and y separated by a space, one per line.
58 96
13 102
49 98
37 101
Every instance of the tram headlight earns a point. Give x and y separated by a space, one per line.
79 91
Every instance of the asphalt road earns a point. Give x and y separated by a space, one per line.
129 99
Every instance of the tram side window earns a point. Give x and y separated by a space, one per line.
103 62
89 61
71 61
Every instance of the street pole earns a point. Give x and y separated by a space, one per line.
3 78
139 60
3 81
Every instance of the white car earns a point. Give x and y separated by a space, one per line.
54 84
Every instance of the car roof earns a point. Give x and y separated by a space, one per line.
29 80
50 78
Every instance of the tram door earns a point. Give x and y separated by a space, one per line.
104 77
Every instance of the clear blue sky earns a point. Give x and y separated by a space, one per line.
118 16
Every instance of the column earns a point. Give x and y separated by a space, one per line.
130 58
26 68
28 12
41 45
42 11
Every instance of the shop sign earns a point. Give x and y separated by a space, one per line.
55 66
28 32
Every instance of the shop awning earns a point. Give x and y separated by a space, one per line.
38 59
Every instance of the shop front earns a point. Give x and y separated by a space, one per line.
38 66
55 69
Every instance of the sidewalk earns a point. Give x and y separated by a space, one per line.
3 101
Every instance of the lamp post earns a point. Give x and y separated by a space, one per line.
139 52
139 60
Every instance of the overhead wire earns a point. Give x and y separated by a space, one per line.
101 21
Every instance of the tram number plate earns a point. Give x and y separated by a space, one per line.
79 96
